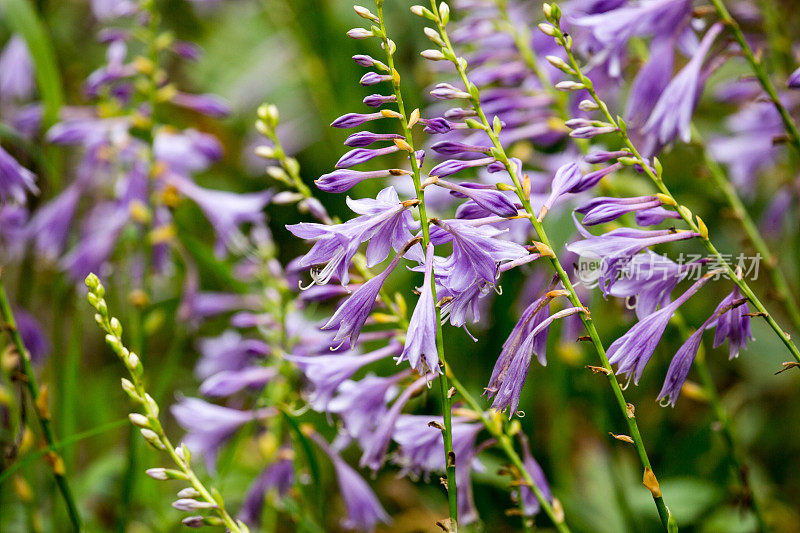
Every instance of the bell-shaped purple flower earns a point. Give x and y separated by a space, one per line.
733 324
420 348
327 372
672 115
364 511
632 351
793 82
530 503
16 181
362 404
209 425
279 476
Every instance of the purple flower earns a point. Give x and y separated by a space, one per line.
342 180
16 181
616 248
98 238
206 104
373 78
362 404
351 120
568 179
327 372
672 115
361 139
187 151
530 503
651 81
794 80
632 351
228 352
603 209
679 368
364 510
362 155
655 215
377 100
733 323
493 201
452 166
226 211
209 425
420 348
229 382
376 444
279 476
476 254
16 70
50 224
33 337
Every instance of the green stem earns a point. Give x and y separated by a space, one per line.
507 445
500 155
780 284
40 407
728 433
444 388
685 214
759 71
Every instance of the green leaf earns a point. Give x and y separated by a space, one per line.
21 18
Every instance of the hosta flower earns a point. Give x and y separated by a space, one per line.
16 70
227 352
16 181
327 372
364 511
230 382
362 404
209 425
278 477
530 503
632 351
601 210
420 348
672 115
733 324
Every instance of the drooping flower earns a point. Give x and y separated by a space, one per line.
733 323
209 425
278 477
530 503
327 372
364 511
16 181
420 348
632 351
227 352
362 404
672 115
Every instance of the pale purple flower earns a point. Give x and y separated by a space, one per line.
16 181
733 324
186 151
99 236
206 104
209 425
16 70
452 166
327 372
225 210
365 138
420 348
33 336
672 115
491 200
351 120
49 226
376 444
357 156
530 503
655 215
229 382
342 180
793 82
364 511
632 351
227 352
278 477
604 209
362 404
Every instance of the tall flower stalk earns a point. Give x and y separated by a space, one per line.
39 400
440 15
196 497
653 171
444 388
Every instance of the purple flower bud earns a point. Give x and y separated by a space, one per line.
436 125
359 33
655 215
343 180
377 100
445 91
452 166
189 504
458 113
492 200
361 139
351 120
589 132
16 181
602 156
373 78
602 209
455 148
362 155
567 178
194 522
363 60
187 50
592 178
